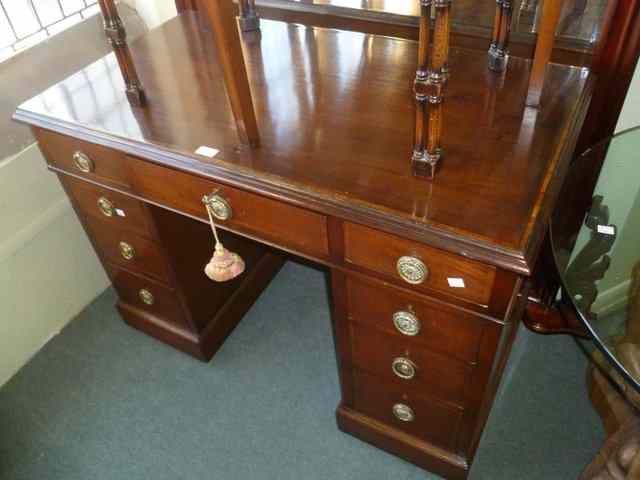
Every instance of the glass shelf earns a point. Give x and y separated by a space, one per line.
599 265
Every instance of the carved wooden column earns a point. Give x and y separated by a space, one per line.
499 49
248 18
114 30
430 91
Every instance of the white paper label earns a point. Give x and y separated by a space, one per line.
207 151
120 212
607 229
455 282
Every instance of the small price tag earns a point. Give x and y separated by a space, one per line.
606 229
455 282
207 151
120 212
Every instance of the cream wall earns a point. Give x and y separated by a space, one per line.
623 199
48 270
630 116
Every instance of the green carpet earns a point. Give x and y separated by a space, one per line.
103 401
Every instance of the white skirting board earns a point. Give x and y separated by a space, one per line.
48 270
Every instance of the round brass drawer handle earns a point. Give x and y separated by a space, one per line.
83 162
412 270
220 207
126 250
146 296
403 368
403 412
406 323
106 206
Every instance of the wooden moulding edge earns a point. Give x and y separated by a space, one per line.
514 260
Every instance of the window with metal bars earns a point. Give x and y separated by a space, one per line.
24 23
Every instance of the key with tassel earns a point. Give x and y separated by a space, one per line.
224 264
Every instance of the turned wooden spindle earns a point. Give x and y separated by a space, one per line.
430 85
499 50
248 18
117 37
419 161
437 81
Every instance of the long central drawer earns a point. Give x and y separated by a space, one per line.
254 215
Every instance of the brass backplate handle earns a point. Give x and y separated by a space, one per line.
219 206
412 270
83 162
406 323
146 296
404 368
403 412
126 250
106 206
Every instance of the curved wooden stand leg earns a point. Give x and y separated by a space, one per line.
544 48
557 319
619 457
220 16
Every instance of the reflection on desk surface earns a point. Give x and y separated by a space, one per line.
580 20
336 119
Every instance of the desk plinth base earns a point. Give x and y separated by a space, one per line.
420 453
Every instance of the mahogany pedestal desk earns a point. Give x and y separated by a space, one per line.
428 278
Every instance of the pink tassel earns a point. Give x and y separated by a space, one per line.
224 265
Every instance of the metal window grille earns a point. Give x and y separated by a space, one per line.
24 23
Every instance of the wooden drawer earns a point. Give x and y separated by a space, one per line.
129 250
260 217
88 160
440 328
433 421
116 210
134 290
436 375
380 252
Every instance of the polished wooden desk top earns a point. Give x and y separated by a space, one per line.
335 112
